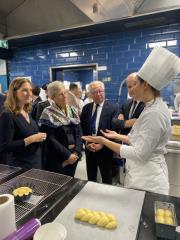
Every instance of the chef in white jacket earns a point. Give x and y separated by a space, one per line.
146 168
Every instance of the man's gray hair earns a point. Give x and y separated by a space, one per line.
95 84
54 87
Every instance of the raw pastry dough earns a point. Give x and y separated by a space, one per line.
101 219
164 216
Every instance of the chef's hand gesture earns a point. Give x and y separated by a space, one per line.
97 139
110 134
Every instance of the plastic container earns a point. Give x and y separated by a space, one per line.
165 220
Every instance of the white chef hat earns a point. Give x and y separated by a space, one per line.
160 68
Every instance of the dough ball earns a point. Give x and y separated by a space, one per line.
94 219
111 217
102 214
160 212
79 214
111 225
87 210
167 213
86 217
160 219
103 221
168 220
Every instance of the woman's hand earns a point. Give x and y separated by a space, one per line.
97 139
110 134
38 137
72 159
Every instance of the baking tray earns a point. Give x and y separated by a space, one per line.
124 204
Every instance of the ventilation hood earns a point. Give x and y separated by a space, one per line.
103 10
25 23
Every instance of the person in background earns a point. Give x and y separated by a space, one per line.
36 99
73 97
42 105
43 92
177 102
146 168
88 98
20 137
2 100
130 110
128 114
95 116
62 125
79 96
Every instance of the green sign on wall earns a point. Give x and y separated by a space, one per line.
3 44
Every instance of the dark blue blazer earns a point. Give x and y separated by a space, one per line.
125 109
109 111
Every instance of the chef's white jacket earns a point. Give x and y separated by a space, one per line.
146 168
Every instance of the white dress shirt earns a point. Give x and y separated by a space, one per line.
99 110
177 102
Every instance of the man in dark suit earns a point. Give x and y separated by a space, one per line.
129 111
94 117
42 105
128 114
2 99
36 99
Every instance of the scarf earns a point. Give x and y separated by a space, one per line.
54 116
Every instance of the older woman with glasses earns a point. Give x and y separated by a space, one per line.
62 125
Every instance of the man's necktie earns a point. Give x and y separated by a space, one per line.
93 120
133 108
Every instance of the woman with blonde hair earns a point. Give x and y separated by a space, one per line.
19 135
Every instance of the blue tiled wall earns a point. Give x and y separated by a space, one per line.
3 81
84 76
122 53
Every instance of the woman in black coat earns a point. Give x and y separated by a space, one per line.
19 134
62 125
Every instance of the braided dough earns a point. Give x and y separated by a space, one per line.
101 219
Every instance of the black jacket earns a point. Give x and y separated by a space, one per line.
109 111
2 99
14 128
125 109
56 149
34 108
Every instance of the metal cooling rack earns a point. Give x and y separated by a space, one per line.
7 171
44 184
47 176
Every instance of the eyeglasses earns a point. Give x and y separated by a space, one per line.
97 91
63 92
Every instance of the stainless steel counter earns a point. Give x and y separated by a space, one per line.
173 162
